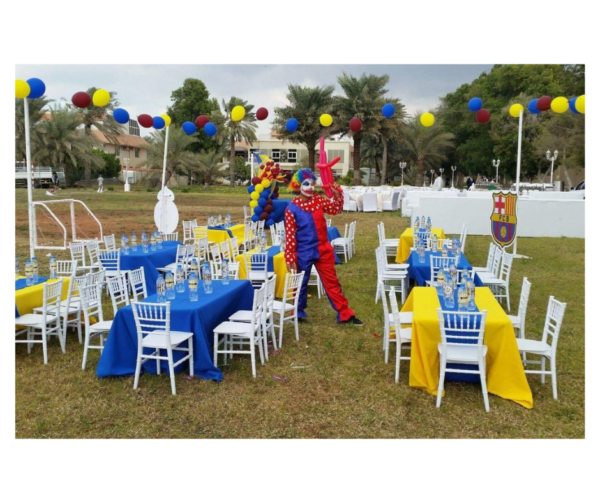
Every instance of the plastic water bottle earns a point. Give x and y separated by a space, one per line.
170 282
416 224
220 221
194 267
16 267
133 242
179 279
445 250
53 267
434 243
193 286
34 266
448 296
159 240
463 299
124 245
470 285
224 272
161 289
440 281
228 220
144 242
207 278
421 251
153 241
28 273
423 222
453 275
428 226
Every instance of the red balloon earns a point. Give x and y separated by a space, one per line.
482 116
355 124
145 120
255 180
201 120
81 99
276 190
262 113
543 103
269 201
268 208
264 215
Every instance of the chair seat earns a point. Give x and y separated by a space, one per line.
515 320
396 267
112 274
405 335
406 318
481 269
259 275
34 320
391 242
63 310
462 354
277 305
244 316
340 241
531 346
170 267
158 339
101 326
234 328
492 281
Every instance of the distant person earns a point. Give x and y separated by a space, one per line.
100 184
55 180
437 181
470 182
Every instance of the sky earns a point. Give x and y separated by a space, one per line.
147 88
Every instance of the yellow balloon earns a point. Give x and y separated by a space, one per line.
101 98
515 109
580 104
259 188
254 195
238 113
427 119
22 89
560 105
326 120
167 119
253 203
266 183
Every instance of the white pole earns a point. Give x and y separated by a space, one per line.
518 176
165 157
552 172
164 199
251 166
29 182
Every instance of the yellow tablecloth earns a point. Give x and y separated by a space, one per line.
31 297
222 236
406 242
279 268
505 374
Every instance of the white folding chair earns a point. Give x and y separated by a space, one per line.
495 267
286 309
137 283
546 348
225 250
66 268
500 285
181 257
257 268
402 336
518 321
275 238
93 249
349 204
235 249
201 249
370 202
389 329
215 252
391 205
153 327
462 343
77 251
188 229
490 260
424 236
119 292
391 245
91 305
45 323
315 280
170 236
390 278
435 264
109 243
110 261
231 333
343 245
352 235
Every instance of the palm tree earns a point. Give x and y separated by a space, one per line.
238 131
210 163
100 119
60 142
36 113
426 146
179 159
306 105
364 98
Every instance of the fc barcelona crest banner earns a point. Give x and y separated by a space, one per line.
504 218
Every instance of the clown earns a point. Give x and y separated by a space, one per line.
307 244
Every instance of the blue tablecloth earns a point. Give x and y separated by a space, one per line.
279 207
201 318
422 272
333 233
220 228
150 261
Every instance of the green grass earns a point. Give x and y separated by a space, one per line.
343 390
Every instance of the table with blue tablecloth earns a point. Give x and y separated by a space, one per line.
150 261
421 272
201 318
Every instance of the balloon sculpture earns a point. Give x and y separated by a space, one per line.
324 168
264 189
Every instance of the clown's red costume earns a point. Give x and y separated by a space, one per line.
307 245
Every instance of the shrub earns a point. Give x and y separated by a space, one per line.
111 188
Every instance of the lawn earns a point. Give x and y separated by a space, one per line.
335 384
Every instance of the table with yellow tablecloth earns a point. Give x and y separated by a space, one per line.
406 243
28 298
505 373
220 236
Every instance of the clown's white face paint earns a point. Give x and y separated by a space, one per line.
307 188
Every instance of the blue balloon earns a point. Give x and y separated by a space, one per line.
38 88
572 105
158 122
388 110
270 222
265 193
255 218
189 127
258 209
121 116
475 104
263 200
532 107
210 129
291 125
250 189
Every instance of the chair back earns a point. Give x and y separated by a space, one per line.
269 296
394 309
436 263
460 329
506 266
137 283
234 270
498 252
215 253
490 258
91 301
384 301
235 247
52 298
346 206
346 234
422 235
95 278
151 316
110 260
170 236
119 294
225 250
554 317
291 290
258 306
257 263
200 232
216 269
523 301
109 242
201 249
275 239
370 201
188 229
66 268
93 250
77 252
261 225
381 233
395 199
